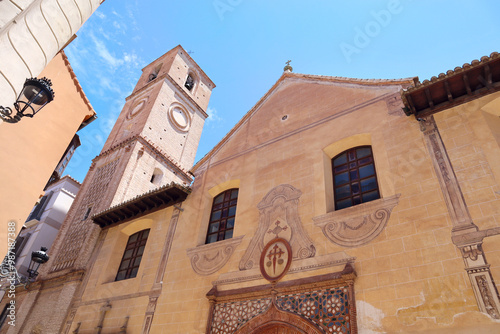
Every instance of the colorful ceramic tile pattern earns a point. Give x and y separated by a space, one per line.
328 309
228 317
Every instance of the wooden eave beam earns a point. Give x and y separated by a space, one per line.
156 200
140 206
458 100
466 82
114 216
488 76
127 210
103 221
448 91
429 98
137 207
121 213
151 204
165 198
410 102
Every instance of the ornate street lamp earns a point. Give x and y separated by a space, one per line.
10 278
37 258
36 93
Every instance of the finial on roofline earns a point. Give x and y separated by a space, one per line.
288 68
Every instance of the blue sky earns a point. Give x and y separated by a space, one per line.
243 45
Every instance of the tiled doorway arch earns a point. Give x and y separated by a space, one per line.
274 321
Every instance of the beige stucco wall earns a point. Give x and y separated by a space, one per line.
411 277
32 147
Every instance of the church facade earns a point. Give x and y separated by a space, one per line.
335 205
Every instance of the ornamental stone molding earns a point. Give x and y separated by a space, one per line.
335 262
279 218
464 233
357 225
207 259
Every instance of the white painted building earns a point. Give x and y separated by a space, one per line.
44 221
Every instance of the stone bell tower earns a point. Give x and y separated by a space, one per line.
152 144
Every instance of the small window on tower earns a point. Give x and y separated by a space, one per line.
189 82
87 213
152 76
154 73
157 176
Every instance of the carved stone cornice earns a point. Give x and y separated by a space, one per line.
341 277
357 225
473 238
207 259
331 261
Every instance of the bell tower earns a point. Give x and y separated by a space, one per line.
153 143
166 110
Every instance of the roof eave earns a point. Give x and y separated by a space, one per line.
456 87
142 205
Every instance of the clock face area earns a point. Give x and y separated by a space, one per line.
179 117
136 108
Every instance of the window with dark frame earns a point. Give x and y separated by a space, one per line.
21 242
189 82
222 216
354 177
40 207
129 266
87 213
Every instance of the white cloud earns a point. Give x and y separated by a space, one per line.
100 15
213 119
104 53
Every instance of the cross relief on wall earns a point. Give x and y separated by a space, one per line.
279 218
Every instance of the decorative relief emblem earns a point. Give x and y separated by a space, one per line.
275 259
357 225
279 217
207 259
279 230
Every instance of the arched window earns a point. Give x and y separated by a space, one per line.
222 216
154 73
354 177
189 84
132 256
